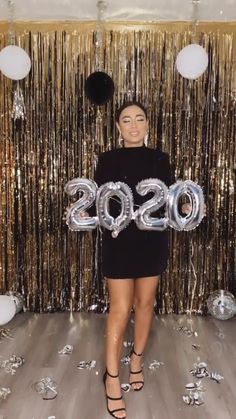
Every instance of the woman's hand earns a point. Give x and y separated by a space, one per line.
187 208
84 214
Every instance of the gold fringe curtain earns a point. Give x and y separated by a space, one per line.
62 135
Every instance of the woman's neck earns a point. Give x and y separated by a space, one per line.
133 145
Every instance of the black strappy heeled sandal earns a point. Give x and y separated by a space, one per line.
121 409
136 372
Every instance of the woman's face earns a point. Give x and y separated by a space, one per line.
133 126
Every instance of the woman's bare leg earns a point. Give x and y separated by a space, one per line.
121 294
144 298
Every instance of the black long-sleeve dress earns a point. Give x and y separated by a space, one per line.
134 253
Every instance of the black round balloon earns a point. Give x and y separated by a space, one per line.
99 88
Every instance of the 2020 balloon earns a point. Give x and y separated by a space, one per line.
142 216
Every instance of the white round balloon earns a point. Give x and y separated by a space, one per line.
192 61
7 309
14 62
18 300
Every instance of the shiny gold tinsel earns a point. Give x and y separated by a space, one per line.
62 135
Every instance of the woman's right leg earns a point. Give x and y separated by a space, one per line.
121 294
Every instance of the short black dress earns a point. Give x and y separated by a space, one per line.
134 253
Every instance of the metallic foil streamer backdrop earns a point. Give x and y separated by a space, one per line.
62 135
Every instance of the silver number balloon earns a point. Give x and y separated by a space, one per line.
195 194
73 217
143 217
124 194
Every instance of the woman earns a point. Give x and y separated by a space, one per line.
134 261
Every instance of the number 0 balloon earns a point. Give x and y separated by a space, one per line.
193 219
124 194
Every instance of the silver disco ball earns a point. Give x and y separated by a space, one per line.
221 304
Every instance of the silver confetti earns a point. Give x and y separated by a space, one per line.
220 335
196 347
216 377
186 399
125 360
46 388
17 360
10 365
155 364
199 402
186 331
68 349
5 333
4 392
201 365
192 386
126 387
193 398
200 371
88 365
127 343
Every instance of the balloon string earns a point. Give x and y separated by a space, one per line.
117 200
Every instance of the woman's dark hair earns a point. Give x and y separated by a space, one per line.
126 105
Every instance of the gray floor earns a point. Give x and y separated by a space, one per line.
80 393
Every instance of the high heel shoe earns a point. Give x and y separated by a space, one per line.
136 372
112 412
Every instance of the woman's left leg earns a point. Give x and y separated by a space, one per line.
144 298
